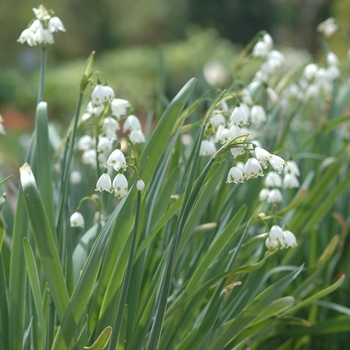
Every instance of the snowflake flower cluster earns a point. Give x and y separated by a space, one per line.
40 30
273 182
277 237
108 111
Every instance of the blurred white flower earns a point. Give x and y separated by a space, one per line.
104 144
292 167
75 177
224 136
272 94
109 92
239 116
217 120
41 12
119 107
55 25
89 157
85 142
289 239
131 123
273 179
137 136
332 59
262 156
99 95
276 233
277 163
328 27
207 148
215 73
271 244
290 181
310 71
261 49
275 196
77 220
140 185
263 194
237 151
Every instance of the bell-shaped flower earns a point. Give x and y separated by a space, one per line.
55 25
328 27
261 49
217 119
273 179
237 131
109 92
84 143
89 157
252 169
267 39
99 95
290 181
140 185
117 160
104 183
41 12
235 175
310 71
277 163
239 116
276 233
262 156
292 167
275 196
237 151
271 244
257 114
2 130
131 123
225 135
120 186
137 136
104 144
119 107
207 148
332 59
75 177
77 220
263 194
289 239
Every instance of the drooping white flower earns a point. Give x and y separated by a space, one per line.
99 95
290 181
246 97
275 196
77 220
289 239
104 144
237 131
109 92
119 107
332 59
292 167
261 49
140 185
237 151
55 25
137 136
239 116
104 183
277 163
310 71
41 12
215 73
84 143
252 169
257 114
271 244
263 194
207 148
328 27
267 39
235 175
262 156
276 233
131 123
110 126
217 120
2 130
117 160
273 179
89 157
120 186
225 135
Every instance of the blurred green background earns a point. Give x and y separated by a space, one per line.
127 37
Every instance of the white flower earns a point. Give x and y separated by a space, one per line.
215 73
225 135
252 169
328 27
271 244
263 194
332 59
120 185
275 196
55 25
109 92
131 123
236 151
276 233
99 95
140 185
104 144
77 220
290 181
117 160
257 114
310 71
262 156
75 177
277 163
267 39
289 239
217 120
333 72
2 130
41 12
104 183
137 136
273 179
235 175
239 116
246 97
86 142
237 131
119 107
207 148
89 157
261 49
94 110
292 167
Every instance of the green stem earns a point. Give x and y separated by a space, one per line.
42 75
126 281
